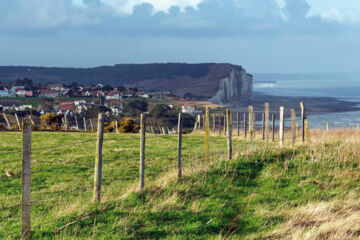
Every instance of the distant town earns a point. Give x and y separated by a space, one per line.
26 98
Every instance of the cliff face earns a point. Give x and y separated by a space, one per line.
236 87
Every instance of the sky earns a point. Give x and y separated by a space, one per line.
264 36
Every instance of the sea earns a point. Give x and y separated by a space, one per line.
344 86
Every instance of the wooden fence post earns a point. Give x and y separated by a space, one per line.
263 126
303 117
207 136
98 159
245 127
327 126
219 130
273 128
7 121
307 131
17 121
32 122
225 124
66 122
116 126
142 150
251 126
91 125
85 129
281 131
229 132
293 126
214 123
26 180
179 145
266 105
77 124
238 123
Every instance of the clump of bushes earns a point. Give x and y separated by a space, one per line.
51 121
127 125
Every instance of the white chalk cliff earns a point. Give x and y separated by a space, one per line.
235 88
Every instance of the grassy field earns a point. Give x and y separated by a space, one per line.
307 191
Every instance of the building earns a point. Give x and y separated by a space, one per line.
48 93
67 106
58 87
188 108
113 95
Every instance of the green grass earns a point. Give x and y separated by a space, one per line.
245 198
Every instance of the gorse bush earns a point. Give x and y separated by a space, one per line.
127 125
51 121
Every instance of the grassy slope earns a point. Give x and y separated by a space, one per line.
289 193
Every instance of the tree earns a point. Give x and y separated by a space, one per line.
107 87
160 111
121 89
135 106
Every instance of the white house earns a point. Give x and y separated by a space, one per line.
188 109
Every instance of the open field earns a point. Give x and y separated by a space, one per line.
309 191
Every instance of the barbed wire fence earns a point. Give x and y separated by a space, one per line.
247 125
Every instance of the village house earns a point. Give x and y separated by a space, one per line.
6 93
188 108
67 106
113 95
48 93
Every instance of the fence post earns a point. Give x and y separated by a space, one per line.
214 122
116 126
7 121
225 124
207 135
66 122
267 123
293 126
281 126
32 122
142 150
273 128
179 145
77 124
238 123
327 126
26 180
251 129
219 130
17 121
98 159
85 129
245 129
91 125
263 126
303 117
307 131
229 132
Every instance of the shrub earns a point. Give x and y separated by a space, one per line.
128 125
51 120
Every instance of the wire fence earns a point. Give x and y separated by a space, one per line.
52 179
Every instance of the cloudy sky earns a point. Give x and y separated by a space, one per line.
261 35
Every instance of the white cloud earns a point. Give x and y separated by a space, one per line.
127 6
78 3
341 11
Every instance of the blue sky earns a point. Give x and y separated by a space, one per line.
260 35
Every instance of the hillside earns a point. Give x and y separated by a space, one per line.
201 80
309 191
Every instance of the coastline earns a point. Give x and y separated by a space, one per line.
313 105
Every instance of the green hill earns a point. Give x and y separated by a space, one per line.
303 192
